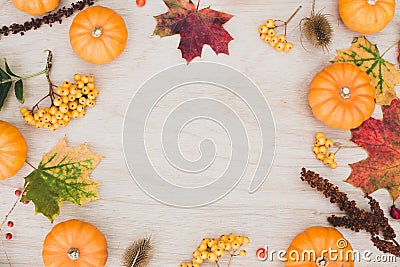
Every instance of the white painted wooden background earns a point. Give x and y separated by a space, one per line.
283 207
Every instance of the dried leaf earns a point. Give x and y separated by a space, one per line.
381 139
62 175
196 28
384 75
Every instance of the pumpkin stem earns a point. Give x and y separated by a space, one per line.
97 31
73 254
345 92
321 261
372 2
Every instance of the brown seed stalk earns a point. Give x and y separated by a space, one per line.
373 221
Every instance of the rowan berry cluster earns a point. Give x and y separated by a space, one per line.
268 34
68 102
212 249
320 149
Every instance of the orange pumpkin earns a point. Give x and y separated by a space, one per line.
75 243
319 247
98 34
13 150
341 96
366 16
35 7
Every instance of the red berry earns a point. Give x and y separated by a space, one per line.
25 202
394 212
18 193
9 236
10 224
140 3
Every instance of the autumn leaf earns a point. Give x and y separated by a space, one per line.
381 139
384 75
398 53
196 28
62 175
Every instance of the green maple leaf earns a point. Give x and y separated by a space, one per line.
384 75
62 175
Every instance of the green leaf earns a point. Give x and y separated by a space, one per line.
4 86
62 175
384 75
8 69
19 91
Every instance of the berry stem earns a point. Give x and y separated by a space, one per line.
294 14
51 94
230 260
4 221
340 147
285 23
4 249
198 5
30 165
389 48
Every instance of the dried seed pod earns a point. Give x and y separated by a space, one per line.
317 29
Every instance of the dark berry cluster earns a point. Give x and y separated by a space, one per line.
49 19
374 221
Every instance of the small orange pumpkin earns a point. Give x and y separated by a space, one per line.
98 34
13 150
35 7
342 96
320 246
75 243
366 16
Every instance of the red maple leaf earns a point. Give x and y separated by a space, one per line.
196 28
381 139
398 51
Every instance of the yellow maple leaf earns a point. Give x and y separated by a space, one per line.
384 75
62 175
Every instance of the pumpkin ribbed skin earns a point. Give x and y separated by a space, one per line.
78 235
330 103
98 34
365 17
35 7
320 240
13 150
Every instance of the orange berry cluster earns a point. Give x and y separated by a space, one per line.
268 34
320 149
70 103
212 249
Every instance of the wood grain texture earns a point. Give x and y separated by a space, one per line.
283 206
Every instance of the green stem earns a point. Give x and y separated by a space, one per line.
46 70
25 77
